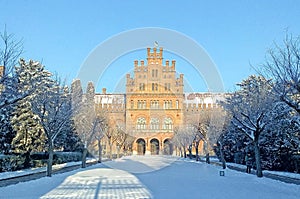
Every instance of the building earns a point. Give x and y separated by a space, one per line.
154 104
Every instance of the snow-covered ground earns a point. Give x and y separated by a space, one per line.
152 177
23 172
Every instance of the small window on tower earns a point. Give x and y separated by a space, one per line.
131 104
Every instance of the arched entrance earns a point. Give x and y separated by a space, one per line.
154 146
141 146
168 147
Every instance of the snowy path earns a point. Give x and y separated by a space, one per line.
152 177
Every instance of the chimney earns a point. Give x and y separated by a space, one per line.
104 91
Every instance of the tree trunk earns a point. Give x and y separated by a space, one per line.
222 156
257 159
50 159
83 161
118 152
110 151
197 151
99 151
180 152
190 151
27 159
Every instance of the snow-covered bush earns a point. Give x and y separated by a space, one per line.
63 157
11 163
58 157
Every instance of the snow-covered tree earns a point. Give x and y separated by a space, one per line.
87 122
6 131
10 51
281 140
232 144
99 137
26 82
121 137
30 136
53 106
110 136
183 139
250 108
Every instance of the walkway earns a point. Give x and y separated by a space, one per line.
152 177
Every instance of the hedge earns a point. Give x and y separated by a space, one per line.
16 161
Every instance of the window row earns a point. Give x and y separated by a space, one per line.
154 124
154 104
141 104
155 86
154 73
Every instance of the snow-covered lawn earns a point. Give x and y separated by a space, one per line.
152 177
23 172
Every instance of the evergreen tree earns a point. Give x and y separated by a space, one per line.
250 108
6 131
29 132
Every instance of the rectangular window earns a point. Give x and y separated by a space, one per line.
131 104
142 86
177 104
152 86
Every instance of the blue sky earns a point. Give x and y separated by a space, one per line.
235 34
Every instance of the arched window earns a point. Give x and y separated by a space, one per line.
168 124
154 124
141 123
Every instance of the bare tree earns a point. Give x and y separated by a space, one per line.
99 137
111 137
88 123
53 106
183 139
10 51
283 66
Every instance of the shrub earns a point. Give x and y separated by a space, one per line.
11 162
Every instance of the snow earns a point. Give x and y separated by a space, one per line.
152 177
280 173
6 175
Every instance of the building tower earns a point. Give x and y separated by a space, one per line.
154 102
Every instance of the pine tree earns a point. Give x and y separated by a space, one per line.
6 131
30 136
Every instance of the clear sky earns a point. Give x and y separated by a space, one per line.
236 34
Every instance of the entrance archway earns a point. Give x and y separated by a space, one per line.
154 146
141 146
168 147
